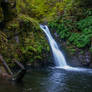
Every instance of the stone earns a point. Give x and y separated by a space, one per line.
85 58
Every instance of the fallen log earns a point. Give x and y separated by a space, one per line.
16 73
5 65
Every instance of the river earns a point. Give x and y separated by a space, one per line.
50 80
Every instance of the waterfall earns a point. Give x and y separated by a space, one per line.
57 54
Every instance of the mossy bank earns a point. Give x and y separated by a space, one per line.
20 36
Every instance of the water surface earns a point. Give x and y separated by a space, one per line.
51 80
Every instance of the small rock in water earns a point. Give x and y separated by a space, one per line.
28 90
42 84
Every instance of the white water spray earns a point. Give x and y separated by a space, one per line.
58 56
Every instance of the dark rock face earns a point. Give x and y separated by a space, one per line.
74 61
81 59
85 58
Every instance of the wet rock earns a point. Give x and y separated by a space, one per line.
85 58
74 61
90 65
56 35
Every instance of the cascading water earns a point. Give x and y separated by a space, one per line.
58 56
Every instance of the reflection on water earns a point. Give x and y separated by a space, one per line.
6 86
51 80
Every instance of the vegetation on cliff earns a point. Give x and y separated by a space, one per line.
20 35
75 24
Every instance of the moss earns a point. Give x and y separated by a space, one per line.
34 46
3 41
32 42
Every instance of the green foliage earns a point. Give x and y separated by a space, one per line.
71 19
32 43
73 37
34 46
62 28
85 23
3 41
79 40
77 33
45 10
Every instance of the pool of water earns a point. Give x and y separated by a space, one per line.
50 80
